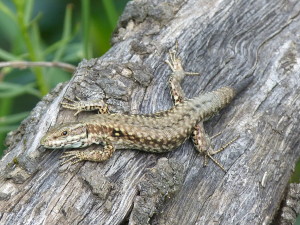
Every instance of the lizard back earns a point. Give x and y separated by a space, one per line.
158 132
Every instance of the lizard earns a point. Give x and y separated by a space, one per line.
156 133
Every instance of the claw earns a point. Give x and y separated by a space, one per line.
216 162
81 106
174 62
74 157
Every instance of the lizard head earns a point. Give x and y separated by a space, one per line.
67 135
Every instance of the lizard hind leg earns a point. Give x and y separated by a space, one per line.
202 143
200 138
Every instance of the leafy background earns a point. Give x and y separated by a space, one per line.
49 30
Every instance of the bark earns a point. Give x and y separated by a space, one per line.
225 41
290 207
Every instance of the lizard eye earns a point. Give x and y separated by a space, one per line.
64 133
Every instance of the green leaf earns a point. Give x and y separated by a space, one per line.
7 12
9 90
111 13
67 34
86 29
28 11
5 129
15 118
4 55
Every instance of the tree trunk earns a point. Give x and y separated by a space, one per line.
225 41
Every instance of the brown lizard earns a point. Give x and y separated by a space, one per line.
158 133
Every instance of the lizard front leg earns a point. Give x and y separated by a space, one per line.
177 76
80 105
89 155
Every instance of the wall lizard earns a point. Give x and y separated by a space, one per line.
157 133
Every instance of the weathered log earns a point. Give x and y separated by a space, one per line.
225 41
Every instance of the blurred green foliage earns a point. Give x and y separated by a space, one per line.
50 30
296 175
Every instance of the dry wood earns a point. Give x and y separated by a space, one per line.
225 41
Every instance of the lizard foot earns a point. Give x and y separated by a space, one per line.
203 145
174 62
87 155
209 154
81 105
177 75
